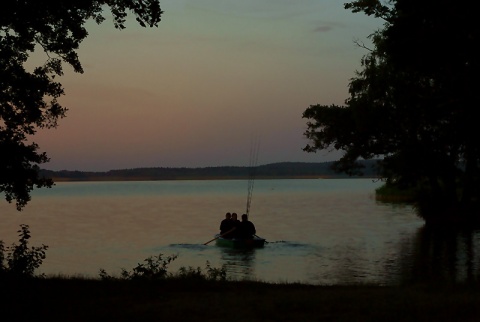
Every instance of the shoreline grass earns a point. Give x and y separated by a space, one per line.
83 299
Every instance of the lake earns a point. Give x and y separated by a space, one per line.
319 231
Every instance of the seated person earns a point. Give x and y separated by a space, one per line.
226 225
236 225
246 228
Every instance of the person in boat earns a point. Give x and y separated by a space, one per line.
246 229
235 224
226 225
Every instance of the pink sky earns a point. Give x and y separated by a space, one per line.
193 92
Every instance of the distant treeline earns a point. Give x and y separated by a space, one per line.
283 170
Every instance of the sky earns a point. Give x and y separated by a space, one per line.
213 77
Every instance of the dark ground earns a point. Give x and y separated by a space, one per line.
73 299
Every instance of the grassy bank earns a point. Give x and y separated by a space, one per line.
389 193
75 299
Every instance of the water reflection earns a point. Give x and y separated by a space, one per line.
434 254
443 255
239 263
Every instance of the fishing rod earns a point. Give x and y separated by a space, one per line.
252 167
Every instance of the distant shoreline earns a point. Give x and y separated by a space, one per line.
63 179
284 170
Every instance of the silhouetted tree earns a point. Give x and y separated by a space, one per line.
28 99
413 105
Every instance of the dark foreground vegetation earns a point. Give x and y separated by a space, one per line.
76 299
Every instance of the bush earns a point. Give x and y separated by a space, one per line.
156 268
212 273
20 260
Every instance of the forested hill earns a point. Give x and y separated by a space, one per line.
284 170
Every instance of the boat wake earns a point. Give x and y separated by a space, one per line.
180 246
188 246
289 246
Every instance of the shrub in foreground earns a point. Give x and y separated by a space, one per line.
156 268
21 260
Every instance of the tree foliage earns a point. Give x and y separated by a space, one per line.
29 98
413 105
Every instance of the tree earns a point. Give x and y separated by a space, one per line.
413 105
29 99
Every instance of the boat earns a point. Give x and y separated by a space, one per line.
255 242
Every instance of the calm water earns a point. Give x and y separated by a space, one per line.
321 231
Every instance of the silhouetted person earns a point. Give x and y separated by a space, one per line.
236 225
246 228
226 225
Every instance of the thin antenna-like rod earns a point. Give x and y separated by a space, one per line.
252 167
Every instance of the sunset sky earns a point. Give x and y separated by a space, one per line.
195 91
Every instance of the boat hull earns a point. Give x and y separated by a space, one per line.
255 242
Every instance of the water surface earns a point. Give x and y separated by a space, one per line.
319 231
